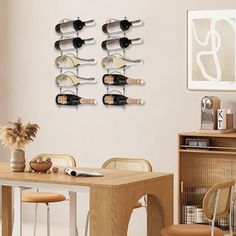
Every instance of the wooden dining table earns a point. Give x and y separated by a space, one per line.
111 198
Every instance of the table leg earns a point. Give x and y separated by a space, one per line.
109 212
73 208
111 208
17 227
160 207
6 211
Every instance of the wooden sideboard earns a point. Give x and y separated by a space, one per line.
201 166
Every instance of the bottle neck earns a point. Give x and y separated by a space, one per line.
134 101
89 23
87 101
87 61
134 81
89 41
132 62
136 41
136 22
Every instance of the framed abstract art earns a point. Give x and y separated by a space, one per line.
211 50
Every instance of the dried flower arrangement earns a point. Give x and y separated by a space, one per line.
16 135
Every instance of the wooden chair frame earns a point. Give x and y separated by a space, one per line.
213 216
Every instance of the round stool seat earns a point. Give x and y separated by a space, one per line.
42 197
190 230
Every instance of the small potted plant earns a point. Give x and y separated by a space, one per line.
15 136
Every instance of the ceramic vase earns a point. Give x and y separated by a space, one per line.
17 160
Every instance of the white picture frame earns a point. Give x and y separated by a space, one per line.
211 50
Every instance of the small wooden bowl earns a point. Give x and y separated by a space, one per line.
40 167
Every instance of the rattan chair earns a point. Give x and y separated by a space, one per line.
217 204
134 164
48 197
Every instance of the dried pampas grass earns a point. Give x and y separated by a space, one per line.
16 135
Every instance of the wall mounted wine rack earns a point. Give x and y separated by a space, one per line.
69 61
116 63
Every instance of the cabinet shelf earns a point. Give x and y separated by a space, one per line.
201 167
206 151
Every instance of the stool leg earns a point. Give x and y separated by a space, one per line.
87 225
48 219
77 232
35 218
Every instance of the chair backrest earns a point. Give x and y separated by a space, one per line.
60 159
217 201
127 164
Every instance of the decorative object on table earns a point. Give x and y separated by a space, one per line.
81 173
211 50
114 42
15 136
41 164
209 106
71 41
55 169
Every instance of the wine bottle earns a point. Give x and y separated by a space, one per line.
119 100
72 43
72 100
70 26
119 43
114 62
119 26
69 79
119 80
70 60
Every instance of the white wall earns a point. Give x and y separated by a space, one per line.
2 59
2 74
93 134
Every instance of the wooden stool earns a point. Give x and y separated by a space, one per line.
190 230
48 197
42 197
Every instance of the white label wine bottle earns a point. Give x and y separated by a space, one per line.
119 80
119 100
69 79
70 26
119 43
114 62
119 26
72 43
70 61
72 100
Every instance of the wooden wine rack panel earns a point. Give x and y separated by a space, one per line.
199 169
